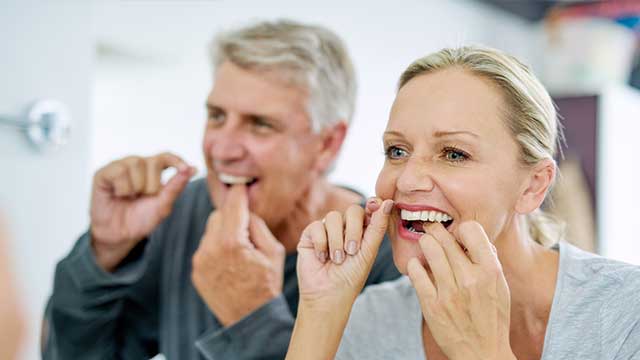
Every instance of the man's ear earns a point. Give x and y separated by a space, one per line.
331 139
540 179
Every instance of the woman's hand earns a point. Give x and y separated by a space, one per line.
336 254
331 274
466 301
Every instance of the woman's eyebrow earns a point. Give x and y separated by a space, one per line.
450 133
392 133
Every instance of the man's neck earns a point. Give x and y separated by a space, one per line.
321 198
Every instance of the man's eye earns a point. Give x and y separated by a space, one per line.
455 155
217 117
261 123
394 152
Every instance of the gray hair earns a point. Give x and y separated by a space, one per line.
308 56
530 113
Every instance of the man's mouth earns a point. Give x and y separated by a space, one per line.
229 180
414 221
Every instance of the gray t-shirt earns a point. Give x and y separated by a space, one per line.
595 314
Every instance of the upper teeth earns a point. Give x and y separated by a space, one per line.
232 179
424 216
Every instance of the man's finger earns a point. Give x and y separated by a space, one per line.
175 186
235 211
263 239
156 165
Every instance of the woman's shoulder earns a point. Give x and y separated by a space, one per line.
596 307
598 273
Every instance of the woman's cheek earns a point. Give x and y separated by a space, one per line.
385 185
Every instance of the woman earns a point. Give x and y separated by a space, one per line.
469 149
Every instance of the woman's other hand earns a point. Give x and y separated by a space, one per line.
465 301
336 254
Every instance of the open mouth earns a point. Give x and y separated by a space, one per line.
228 180
414 221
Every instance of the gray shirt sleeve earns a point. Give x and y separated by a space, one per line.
93 314
263 334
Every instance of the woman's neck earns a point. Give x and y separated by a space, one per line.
531 273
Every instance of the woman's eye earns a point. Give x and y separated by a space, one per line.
394 152
455 155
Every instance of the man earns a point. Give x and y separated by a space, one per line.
206 270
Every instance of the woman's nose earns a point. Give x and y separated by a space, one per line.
416 176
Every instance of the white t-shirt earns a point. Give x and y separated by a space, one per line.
595 314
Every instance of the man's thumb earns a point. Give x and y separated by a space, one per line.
175 185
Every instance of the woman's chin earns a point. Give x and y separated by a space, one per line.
401 258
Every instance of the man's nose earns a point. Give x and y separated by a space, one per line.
228 144
416 176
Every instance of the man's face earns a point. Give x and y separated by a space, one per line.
258 131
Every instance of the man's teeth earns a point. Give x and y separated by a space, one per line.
232 179
432 216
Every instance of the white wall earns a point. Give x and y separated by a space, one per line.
47 51
619 173
152 97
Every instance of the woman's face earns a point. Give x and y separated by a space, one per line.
449 158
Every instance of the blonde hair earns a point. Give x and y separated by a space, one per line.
309 56
530 113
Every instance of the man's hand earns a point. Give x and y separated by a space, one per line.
128 201
239 265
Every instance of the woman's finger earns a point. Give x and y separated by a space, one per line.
371 206
460 263
335 234
421 282
473 237
353 218
438 263
318 237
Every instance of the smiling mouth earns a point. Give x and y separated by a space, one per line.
415 221
229 180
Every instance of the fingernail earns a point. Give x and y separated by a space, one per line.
322 256
371 201
183 167
387 207
352 247
338 256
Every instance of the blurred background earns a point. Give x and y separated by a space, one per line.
133 76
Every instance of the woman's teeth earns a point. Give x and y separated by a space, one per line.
433 216
232 179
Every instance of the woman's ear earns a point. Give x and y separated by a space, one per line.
331 139
539 181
